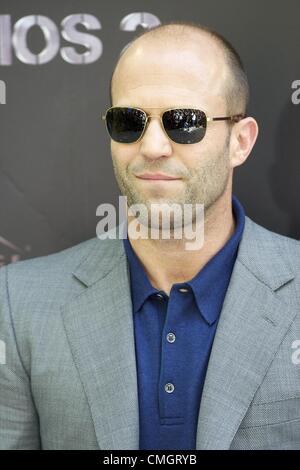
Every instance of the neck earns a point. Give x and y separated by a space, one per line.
167 261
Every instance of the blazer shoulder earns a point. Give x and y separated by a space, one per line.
46 277
61 275
63 260
274 244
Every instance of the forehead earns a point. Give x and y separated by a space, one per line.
162 75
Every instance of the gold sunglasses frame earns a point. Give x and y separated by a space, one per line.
235 118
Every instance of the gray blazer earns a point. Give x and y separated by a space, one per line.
69 381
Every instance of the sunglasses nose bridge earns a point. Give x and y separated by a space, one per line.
154 115
148 119
150 116
160 121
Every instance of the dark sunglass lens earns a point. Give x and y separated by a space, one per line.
125 125
185 126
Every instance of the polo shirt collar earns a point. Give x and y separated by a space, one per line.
209 285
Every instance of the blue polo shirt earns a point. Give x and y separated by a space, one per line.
173 339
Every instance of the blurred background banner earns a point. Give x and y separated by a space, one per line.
56 60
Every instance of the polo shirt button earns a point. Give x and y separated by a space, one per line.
171 337
169 388
160 296
183 289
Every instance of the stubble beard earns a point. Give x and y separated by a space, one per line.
203 185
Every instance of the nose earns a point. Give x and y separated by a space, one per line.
155 143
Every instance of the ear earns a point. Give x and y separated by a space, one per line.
243 138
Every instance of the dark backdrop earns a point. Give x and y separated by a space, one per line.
55 164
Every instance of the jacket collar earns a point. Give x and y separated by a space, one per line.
100 332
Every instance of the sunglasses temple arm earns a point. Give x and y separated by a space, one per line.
235 118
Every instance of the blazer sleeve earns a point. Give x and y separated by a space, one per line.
19 425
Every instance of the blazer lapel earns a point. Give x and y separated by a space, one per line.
100 331
99 328
252 325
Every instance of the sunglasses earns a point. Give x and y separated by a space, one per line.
183 126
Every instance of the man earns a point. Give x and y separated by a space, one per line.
140 343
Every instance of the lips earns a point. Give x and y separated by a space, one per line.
157 176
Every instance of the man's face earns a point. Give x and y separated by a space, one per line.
154 76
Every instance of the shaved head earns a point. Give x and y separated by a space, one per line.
209 45
181 66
